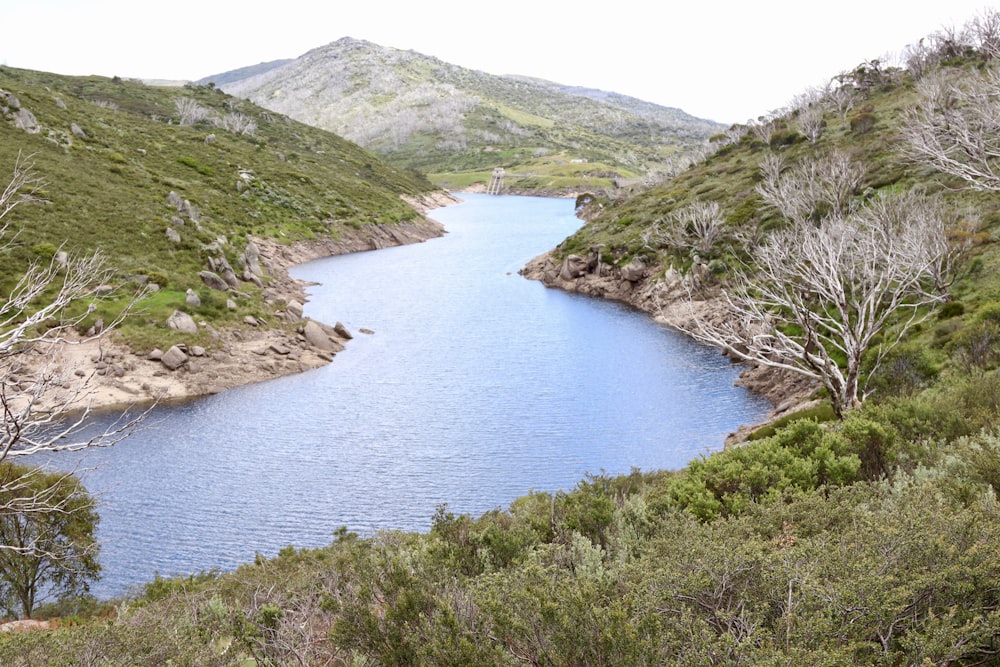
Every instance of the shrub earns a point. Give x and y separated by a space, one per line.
802 456
951 309
904 370
862 123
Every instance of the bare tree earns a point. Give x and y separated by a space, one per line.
841 97
237 123
811 122
43 406
811 189
817 297
697 226
984 30
955 126
190 112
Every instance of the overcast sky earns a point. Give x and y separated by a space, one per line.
727 61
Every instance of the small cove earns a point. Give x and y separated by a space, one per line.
476 387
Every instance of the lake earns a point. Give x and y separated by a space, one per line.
476 387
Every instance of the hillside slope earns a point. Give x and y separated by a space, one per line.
422 113
169 183
650 252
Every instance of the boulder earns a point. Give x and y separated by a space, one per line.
182 322
192 299
77 131
634 271
174 358
573 267
294 310
317 336
173 235
155 355
25 120
251 258
342 331
213 280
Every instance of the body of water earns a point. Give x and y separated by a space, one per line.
476 387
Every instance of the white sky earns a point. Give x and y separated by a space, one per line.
728 61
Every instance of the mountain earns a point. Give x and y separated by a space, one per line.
421 113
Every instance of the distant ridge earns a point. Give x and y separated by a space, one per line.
422 113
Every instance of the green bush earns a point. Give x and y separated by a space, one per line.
801 456
862 123
951 309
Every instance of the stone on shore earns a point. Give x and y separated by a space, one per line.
174 358
182 322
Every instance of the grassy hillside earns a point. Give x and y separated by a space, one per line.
869 134
422 113
112 151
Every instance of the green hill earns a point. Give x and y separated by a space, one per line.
162 197
458 124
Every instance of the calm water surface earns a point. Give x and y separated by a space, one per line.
477 387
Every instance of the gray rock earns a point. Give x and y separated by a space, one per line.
294 310
251 278
230 304
573 267
60 103
197 351
271 296
173 235
182 322
25 120
251 257
175 200
280 349
230 278
342 331
77 131
634 270
10 100
192 299
251 320
317 336
189 209
174 358
213 280
155 355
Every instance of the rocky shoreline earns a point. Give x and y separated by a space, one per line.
667 300
101 374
